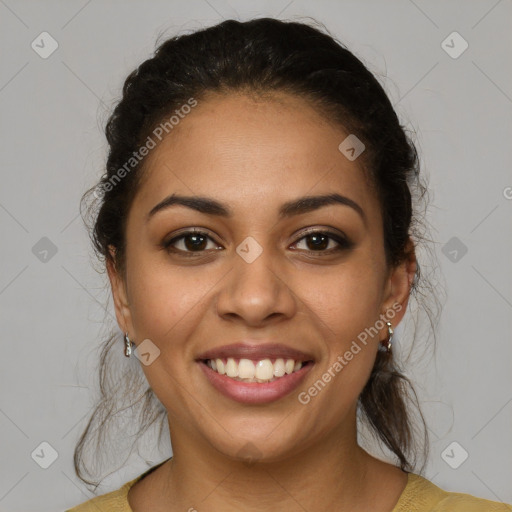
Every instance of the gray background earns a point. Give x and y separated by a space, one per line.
53 148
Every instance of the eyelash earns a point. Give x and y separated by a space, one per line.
343 243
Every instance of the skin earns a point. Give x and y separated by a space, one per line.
253 154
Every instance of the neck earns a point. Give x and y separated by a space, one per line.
334 473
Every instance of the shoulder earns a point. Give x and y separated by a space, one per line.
458 502
115 501
421 495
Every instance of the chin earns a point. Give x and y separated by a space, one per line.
253 449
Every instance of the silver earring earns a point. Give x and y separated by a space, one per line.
385 345
127 345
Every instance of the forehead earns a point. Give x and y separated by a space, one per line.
248 151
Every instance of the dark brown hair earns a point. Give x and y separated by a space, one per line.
261 56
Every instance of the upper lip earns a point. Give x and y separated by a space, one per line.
260 351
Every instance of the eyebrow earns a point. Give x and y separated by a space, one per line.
296 207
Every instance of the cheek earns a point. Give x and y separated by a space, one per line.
166 307
165 303
347 299
348 307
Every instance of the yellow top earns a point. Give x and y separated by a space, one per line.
419 495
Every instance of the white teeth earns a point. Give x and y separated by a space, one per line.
279 369
220 366
254 371
264 369
231 368
246 369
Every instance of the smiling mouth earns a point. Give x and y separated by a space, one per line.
252 370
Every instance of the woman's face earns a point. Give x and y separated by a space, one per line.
257 276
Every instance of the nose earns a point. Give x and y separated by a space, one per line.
256 293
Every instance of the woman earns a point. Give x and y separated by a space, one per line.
259 235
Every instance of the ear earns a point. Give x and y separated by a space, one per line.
399 283
119 295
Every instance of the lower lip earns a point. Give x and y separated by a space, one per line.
255 392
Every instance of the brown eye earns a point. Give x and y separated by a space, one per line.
190 241
317 241
324 242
